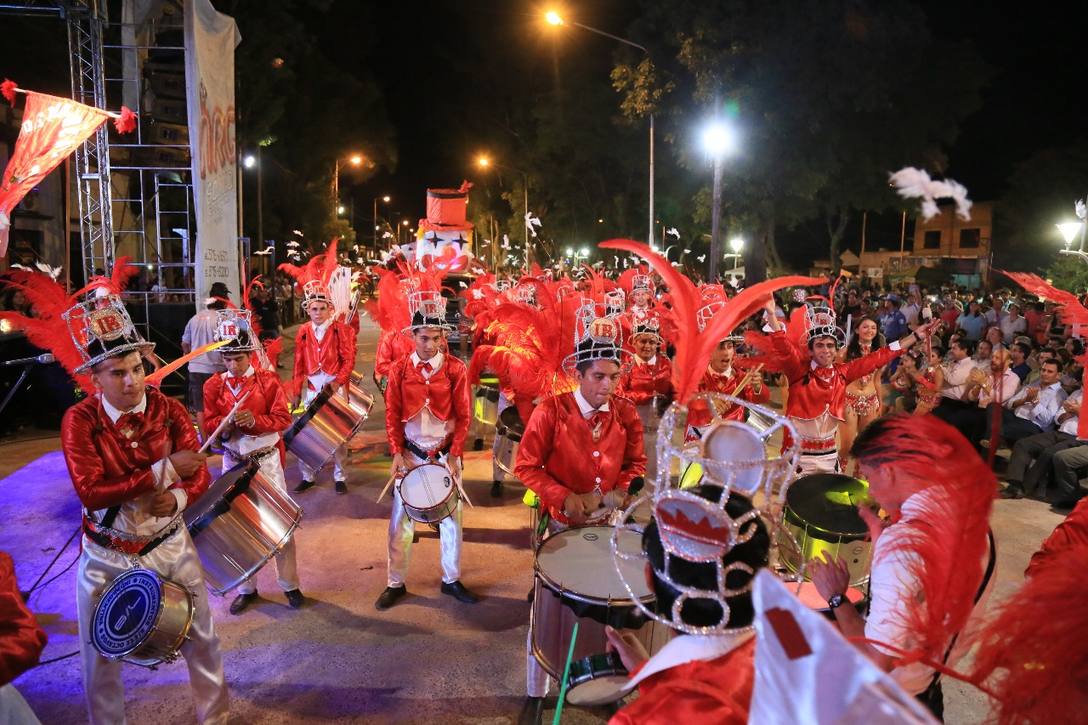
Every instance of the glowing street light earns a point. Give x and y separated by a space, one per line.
356 159
584 252
340 209
483 162
570 252
1069 231
736 244
553 18
249 161
719 139
386 199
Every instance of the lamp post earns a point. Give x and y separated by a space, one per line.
718 140
385 199
737 245
1069 231
355 160
485 162
554 18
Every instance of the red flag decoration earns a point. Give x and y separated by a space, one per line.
52 129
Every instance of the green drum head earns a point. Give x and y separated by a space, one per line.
825 505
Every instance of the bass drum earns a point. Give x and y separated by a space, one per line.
239 524
142 618
330 420
821 514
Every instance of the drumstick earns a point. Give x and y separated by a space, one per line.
223 423
386 489
566 674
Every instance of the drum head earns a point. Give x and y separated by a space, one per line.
219 490
127 613
426 486
579 561
602 690
511 421
824 505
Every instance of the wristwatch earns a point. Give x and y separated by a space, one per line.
835 601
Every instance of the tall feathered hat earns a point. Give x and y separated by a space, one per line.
822 323
596 337
235 328
646 324
101 328
427 308
615 301
314 277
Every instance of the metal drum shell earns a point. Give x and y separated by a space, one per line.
239 525
507 427
329 422
485 397
813 536
430 514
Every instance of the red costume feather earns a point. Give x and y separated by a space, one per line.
693 349
1033 653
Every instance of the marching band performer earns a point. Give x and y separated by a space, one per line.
132 454
647 382
324 355
253 434
426 418
580 451
817 382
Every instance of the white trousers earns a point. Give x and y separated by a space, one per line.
818 463
647 413
13 708
286 565
402 529
174 559
502 448
339 457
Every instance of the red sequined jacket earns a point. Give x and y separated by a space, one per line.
333 355
267 401
1071 532
642 381
392 346
445 394
108 469
812 389
699 412
21 639
558 456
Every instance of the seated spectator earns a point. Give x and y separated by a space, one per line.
995 338
1032 456
903 383
1032 410
982 354
955 382
1020 353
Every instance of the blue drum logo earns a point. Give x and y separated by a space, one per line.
127 614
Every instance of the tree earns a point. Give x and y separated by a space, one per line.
826 94
1069 273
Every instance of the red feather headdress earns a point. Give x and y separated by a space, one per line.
693 349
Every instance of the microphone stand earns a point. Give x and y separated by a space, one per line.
18 383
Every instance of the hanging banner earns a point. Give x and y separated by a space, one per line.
210 40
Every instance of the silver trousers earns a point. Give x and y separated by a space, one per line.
174 559
402 530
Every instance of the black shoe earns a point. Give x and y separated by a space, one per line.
496 489
478 444
295 598
304 485
1012 491
241 602
532 711
390 596
457 591
341 487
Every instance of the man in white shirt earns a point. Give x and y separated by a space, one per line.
1033 409
199 331
954 407
1013 324
1032 456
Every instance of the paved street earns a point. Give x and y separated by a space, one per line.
338 659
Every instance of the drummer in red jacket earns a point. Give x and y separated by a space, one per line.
427 415
132 455
324 355
580 453
648 381
254 433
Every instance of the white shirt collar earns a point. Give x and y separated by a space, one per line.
114 413
651 361
248 373
585 407
727 373
319 330
689 648
436 361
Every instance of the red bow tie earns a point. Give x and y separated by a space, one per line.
424 366
597 422
130 423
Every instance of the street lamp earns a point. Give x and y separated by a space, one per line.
385 200
355 160
736 244
249 161
1069 231
718 140
484 162
552 17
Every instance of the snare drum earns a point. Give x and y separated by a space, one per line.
239 524
428 493
485 407
329 422
576 581
511 427
142 618
596 680
821 515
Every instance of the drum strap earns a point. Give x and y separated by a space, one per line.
108 542
426 455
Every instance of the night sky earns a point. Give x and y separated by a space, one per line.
433 61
